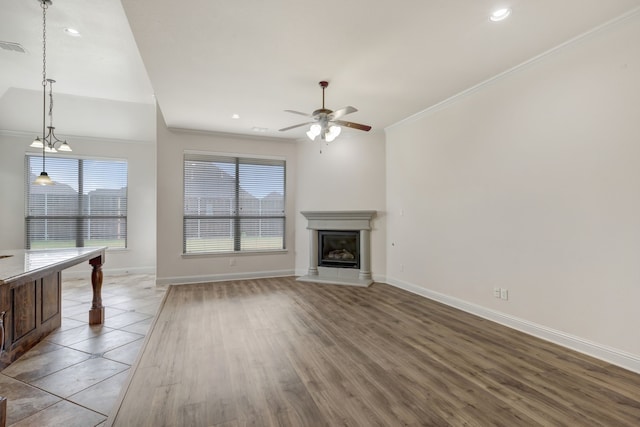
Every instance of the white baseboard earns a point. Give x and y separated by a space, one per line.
185 280
86 273
599 351
376 277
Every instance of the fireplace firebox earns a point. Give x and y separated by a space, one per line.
339 249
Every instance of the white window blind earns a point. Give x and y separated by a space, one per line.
87 206
233 204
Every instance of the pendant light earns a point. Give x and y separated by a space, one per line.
49 142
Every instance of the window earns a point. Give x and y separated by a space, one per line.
233 204
87 206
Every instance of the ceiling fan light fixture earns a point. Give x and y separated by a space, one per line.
314 131
333 133
500 14
323 120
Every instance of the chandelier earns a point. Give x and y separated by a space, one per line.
49 143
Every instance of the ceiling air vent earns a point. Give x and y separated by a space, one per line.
16 47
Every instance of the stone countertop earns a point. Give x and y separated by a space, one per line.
16 264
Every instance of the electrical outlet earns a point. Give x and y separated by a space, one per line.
232 262
401 267
504 294
496 292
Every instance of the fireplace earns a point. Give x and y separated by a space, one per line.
339 249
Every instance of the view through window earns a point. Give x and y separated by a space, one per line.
87 206
233 204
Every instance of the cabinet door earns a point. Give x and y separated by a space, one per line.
24 301
51 293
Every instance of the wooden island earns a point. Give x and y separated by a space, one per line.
31 298
30 295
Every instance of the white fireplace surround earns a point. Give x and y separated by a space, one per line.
339 221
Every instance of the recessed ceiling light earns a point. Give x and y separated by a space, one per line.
500 14
235 116
72 32
258 129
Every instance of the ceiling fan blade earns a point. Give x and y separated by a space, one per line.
298 112
295 126
352 125
343 112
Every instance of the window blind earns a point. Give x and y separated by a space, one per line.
233 204
87 206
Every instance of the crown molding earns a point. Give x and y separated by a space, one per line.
30 135
522 66
257 137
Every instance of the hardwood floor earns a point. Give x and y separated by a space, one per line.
281 352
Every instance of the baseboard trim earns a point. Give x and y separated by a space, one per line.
187 280
86 273
599 351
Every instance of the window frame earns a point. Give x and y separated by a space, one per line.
236 217
80 217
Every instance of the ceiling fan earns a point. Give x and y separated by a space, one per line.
324 121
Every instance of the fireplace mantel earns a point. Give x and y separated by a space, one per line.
339 220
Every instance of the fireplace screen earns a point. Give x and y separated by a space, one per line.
339 249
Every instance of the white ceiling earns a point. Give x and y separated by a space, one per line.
206 60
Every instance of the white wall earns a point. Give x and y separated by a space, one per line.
140 156
173 267
21 110
349 174
530 183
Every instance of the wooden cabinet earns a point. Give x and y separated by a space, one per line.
32 309
31 297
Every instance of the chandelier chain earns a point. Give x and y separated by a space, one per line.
44 6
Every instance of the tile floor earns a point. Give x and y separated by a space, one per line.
75 375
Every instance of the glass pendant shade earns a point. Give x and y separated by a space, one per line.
64 147
37 143
333 133
43 179
314 131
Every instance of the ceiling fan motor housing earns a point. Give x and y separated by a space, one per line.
321 111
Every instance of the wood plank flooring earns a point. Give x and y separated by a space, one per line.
276 352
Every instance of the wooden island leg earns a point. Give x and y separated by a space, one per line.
96 314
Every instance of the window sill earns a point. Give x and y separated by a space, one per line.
234 254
